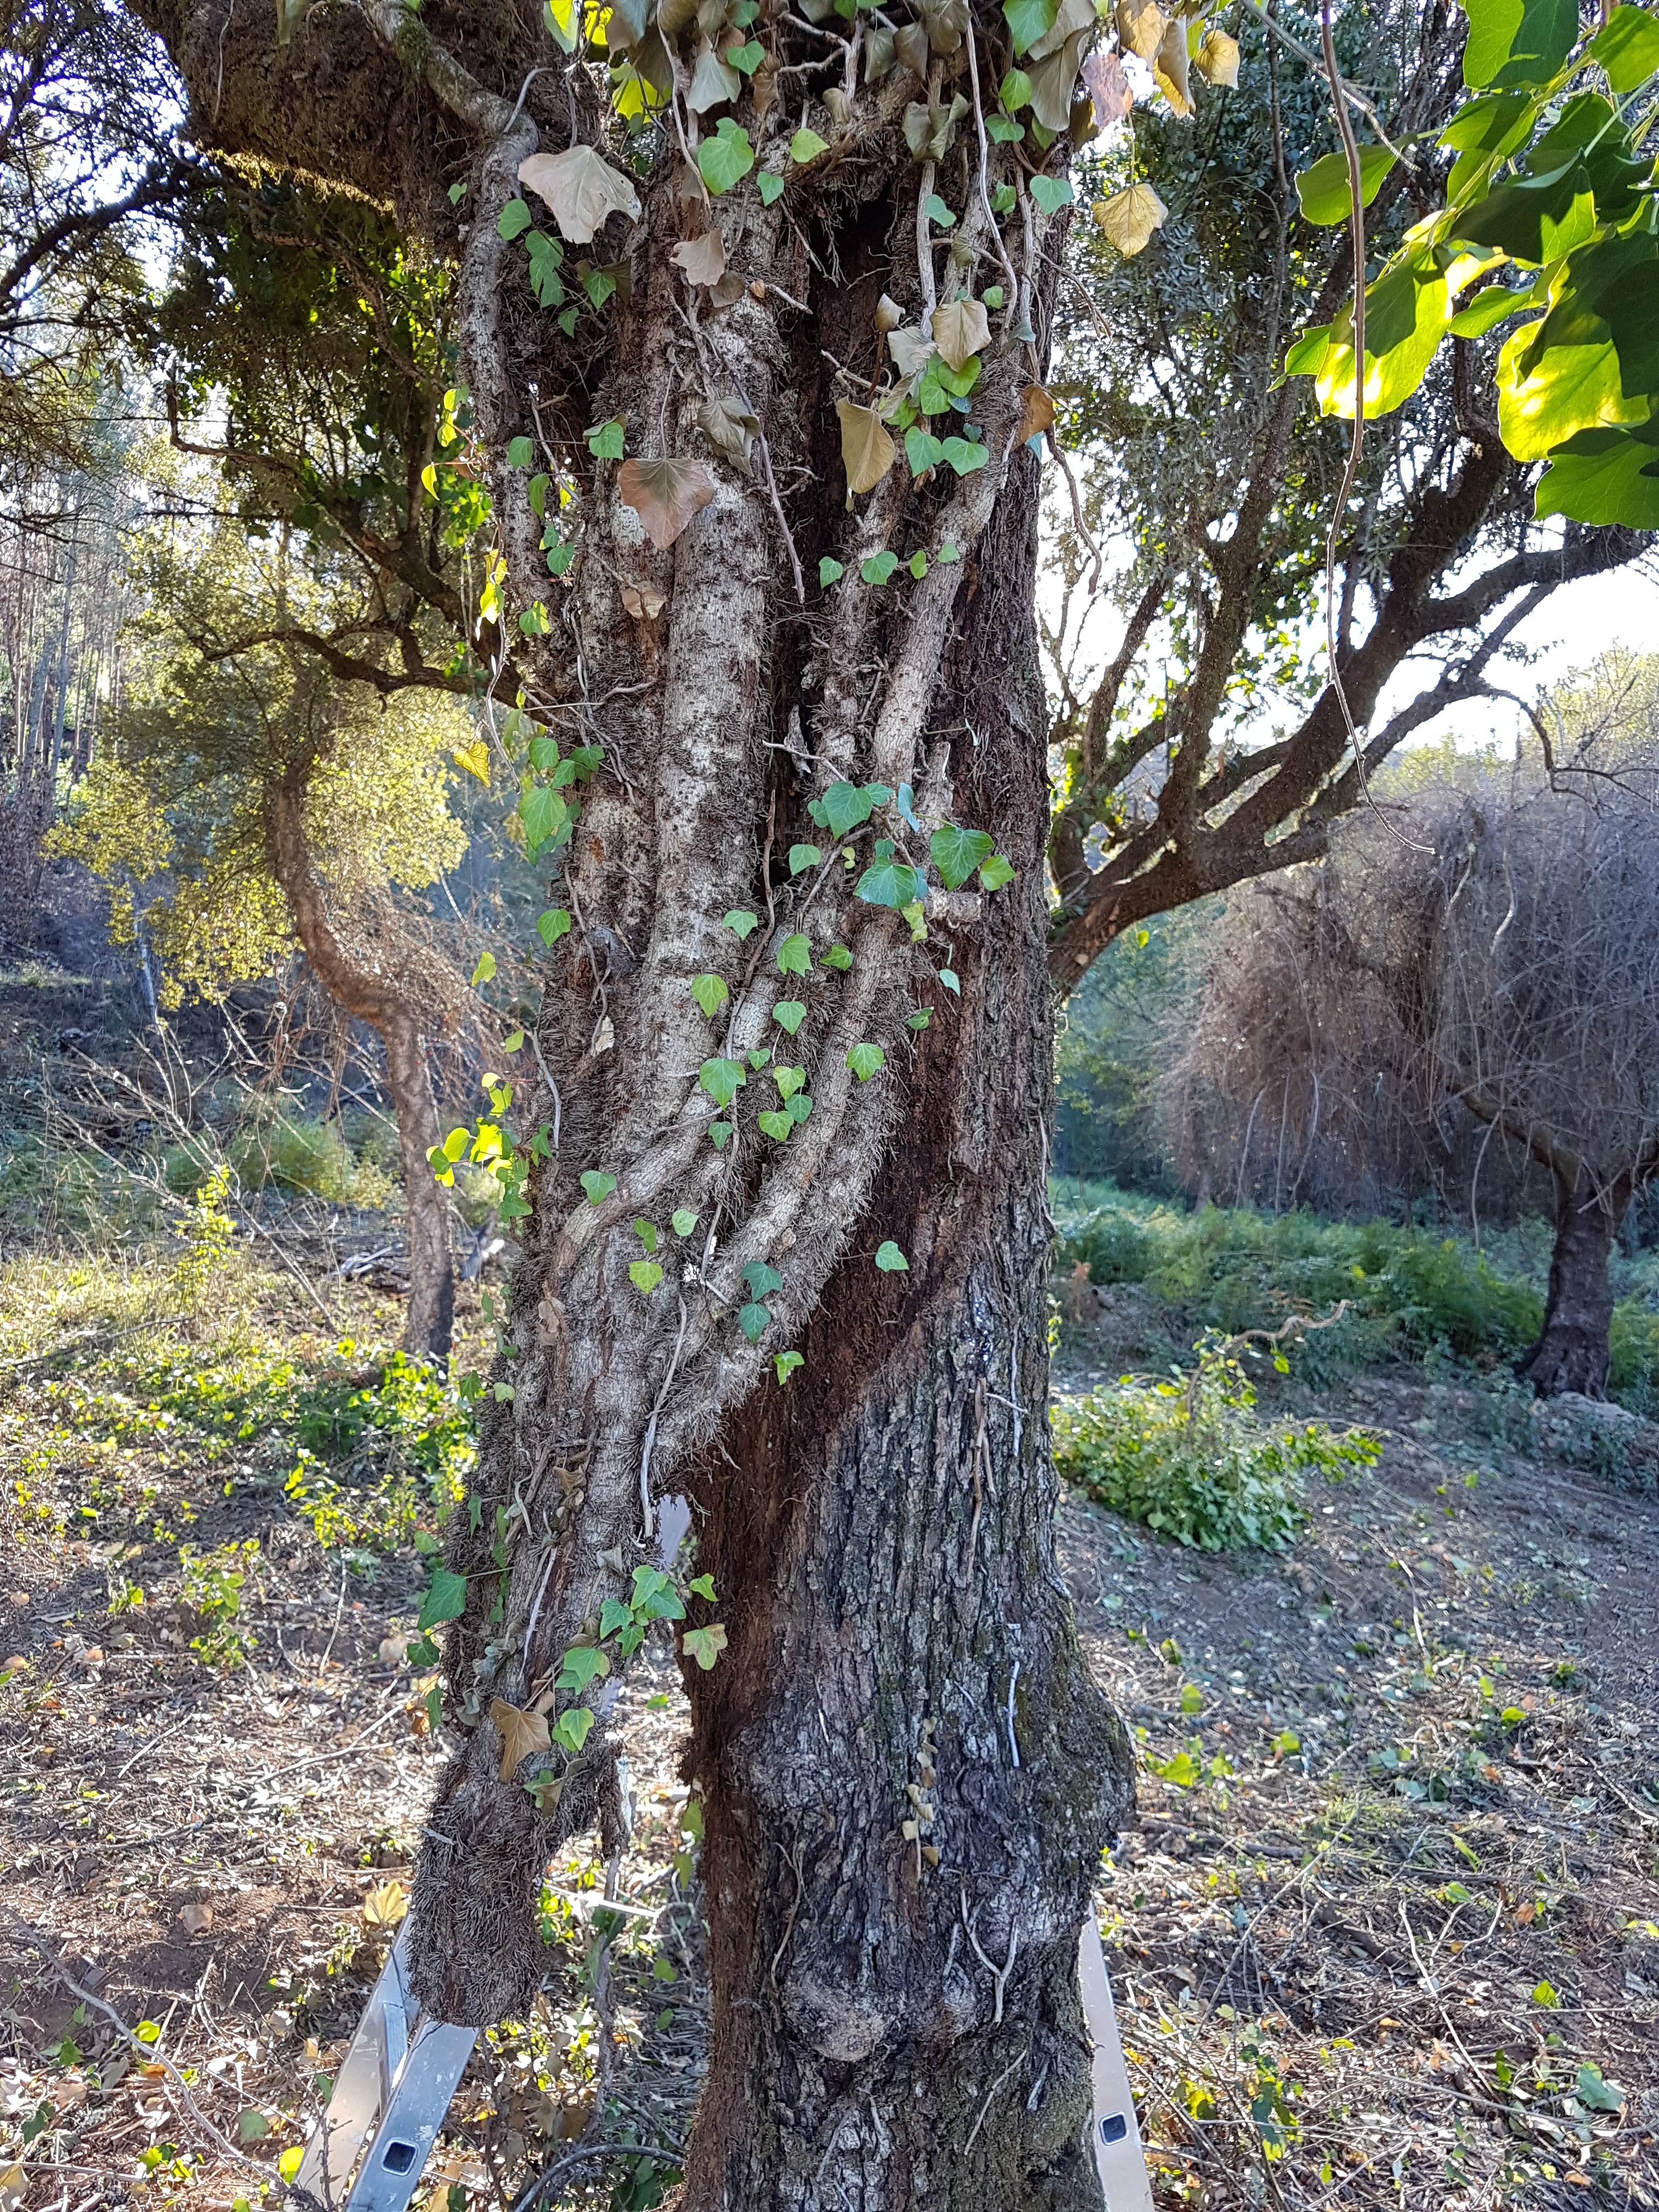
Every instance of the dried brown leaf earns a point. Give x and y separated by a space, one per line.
385 1906
521 1735
664 494
729 429
702 259
1109 86
196 1919
581 189
1170 67
730 289
961 328
1036 414
866 451
643 601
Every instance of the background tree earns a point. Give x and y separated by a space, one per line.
1213 747
253 799
1473 972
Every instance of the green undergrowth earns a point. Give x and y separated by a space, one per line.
1192 1458
1412 1295
111 1364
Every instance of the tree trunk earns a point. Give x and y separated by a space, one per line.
1572 1352
373 995
895 2016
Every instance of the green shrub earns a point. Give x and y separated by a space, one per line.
1192 1458
1410 1294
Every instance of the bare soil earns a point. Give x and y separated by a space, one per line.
1399 1815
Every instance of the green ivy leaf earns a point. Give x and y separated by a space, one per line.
445 1601
1030 20
1015 91
844 807
879 568
939 214
705 1645
964 456
1006 133
829 572
726 158
786 1364
806 146
614 1613
919 1021
645 1275
581 1664
795 955
647 1233
789 1013
551 926
803 856
599 1186
703 1586
721 1080
682 1221
1051 193
789 1080
485 969
710 992
865 1060
535 621
513 221
800 1106
838 957
890 1259
918 565
947 553
956 852
922 450
951 980
1003 199
771 186
752 1320
890 883
995 873
718 1134
748 58
604 442
740 919
570 1730
781 1127
521 452
761 1279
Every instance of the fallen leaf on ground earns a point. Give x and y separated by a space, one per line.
196 1919
522 1734
385 1906
394 1650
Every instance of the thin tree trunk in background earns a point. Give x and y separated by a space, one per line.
1572 1352
371 996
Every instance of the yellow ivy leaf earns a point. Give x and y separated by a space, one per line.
1141 28
1169 68
386 1906
1130 217
960 328
475 757
1217 59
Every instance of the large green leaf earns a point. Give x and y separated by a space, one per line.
1612 297
1407 312
1323 189
1532 219
1514 42
1627 47
1605 476
1543 402
1489 308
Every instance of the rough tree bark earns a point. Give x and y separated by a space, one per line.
896 2019
1572 1352
379 997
